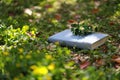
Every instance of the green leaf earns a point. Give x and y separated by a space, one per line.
74 25
25 28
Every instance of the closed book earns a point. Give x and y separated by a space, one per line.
90 41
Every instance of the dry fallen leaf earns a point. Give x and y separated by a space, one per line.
111 23
76 17
57 16
71 21
117 60
104 48
115 56
94 11
84 65
99 62
29 34
48 6
117 66
76 58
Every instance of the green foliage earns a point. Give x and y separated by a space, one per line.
7 1
81 29
25 26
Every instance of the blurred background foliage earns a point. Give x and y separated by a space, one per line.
25 26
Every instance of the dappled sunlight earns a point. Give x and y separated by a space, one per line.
49 7
115 16
26 25
54 5
28 11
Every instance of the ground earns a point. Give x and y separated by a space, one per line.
25 53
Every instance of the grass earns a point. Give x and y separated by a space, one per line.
26 25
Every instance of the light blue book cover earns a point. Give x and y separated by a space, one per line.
90 41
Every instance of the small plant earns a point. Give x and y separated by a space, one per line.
81 29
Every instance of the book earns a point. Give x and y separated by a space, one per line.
90 41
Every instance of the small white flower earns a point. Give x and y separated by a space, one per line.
82 28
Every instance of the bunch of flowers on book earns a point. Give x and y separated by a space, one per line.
82 29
